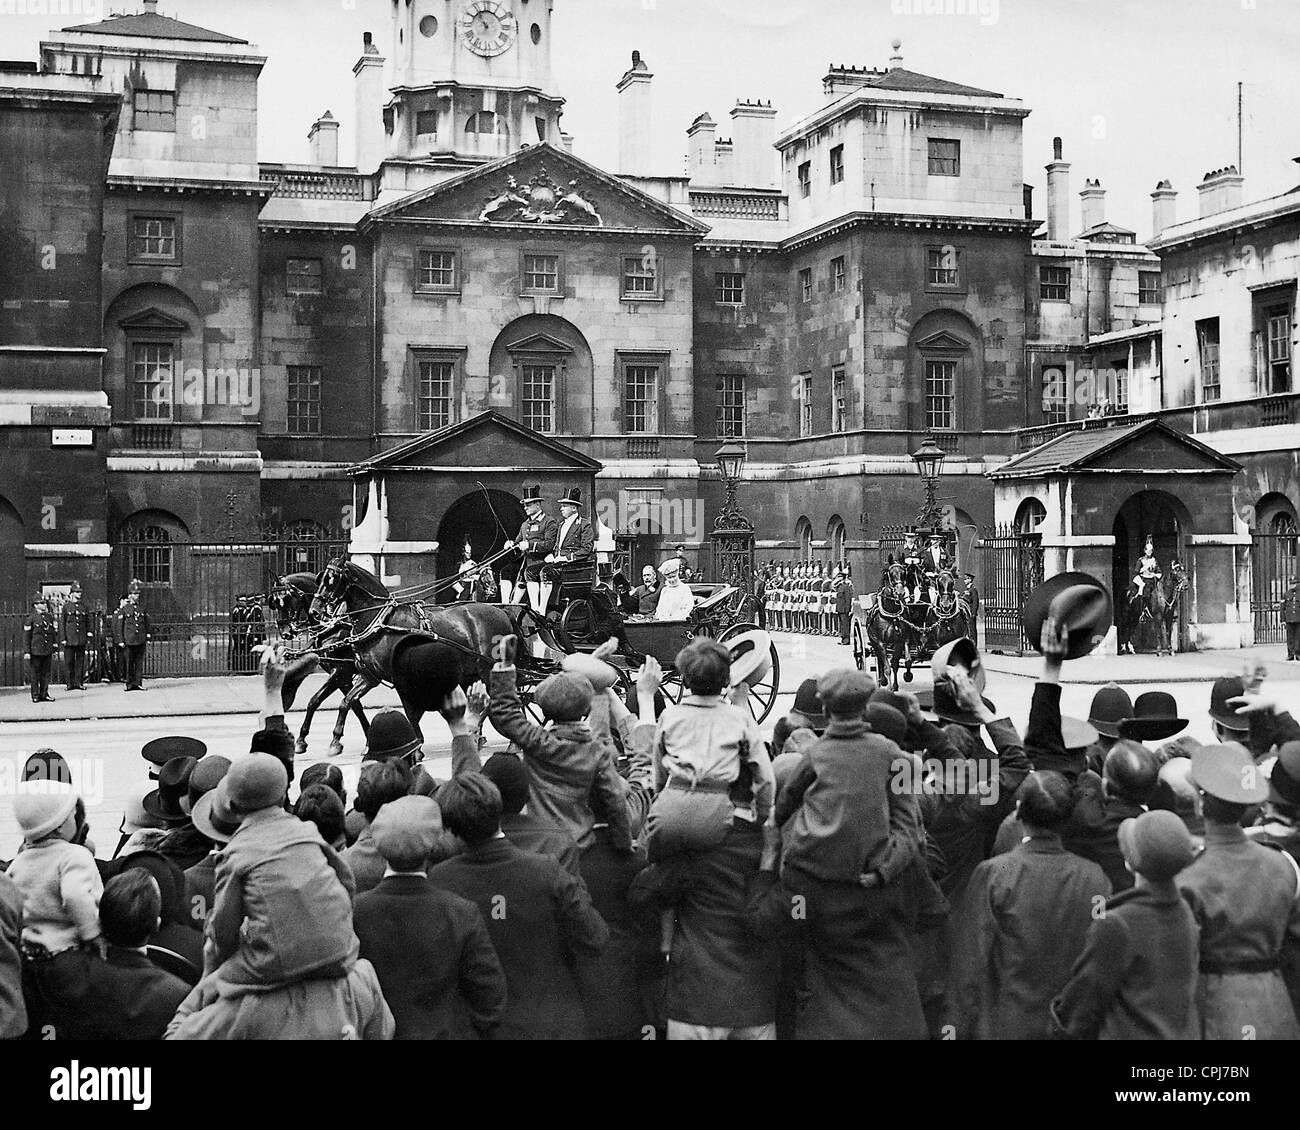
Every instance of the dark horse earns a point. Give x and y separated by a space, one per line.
1145 623
888 630
377 623
291 602
951 614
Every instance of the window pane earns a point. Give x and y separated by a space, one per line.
304 416
945 157
537 403
942 263
805 178
152 372
303 276
641 398
1148 287
426 123
153 237
731 406
1207 336
151 557
731 289
438 269
940 383
155 110
541 272
806 283
805 404
1054 284
434 407
640 276
839 400
837 273
837 164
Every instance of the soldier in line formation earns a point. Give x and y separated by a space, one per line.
809 597
247 631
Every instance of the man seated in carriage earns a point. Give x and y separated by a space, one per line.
575 545
536 540
914 559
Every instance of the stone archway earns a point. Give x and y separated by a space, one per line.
1167 521
486 520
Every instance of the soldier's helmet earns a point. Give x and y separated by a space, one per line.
136 586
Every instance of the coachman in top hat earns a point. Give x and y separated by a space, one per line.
575 544
535 542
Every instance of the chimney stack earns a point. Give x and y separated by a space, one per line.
725 154
1058 195
1093 198
1220 190
702 157
368 80
323 140
150 7
753 130
634 119
896 59
1164 208
566 142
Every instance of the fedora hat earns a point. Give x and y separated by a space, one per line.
215 822
1228 687
1155 717
572 496
162 750
959 653
1110 706
751 657
1081 601
531 494
946 708
164 803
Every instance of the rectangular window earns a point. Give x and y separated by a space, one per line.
1207 345
1055 403
940 394
426 123
943 266
837 164
537 397
153 370
839 273
1278 346
304 400
805 404
541 274
1149 288
437 270
839 400
731 289
806 284
1054 284
434 396
945 157
151 558
540 125
1120 396
805 179
302 276
155 110
731 406
640 276
641 398
153 237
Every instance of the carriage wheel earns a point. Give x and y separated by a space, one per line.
859 647
762 696
577 624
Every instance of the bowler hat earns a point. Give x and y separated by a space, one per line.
407 828
256 781
164 803
207 776
809 705
391 735
1284 780
425 671
845 691
945 706
597 672
887 722
1155 716
958 653
565 697
572 496
1227 771
162 750
1080 601
1156 844
1110 706
751 657
47 765
217 823
1228 687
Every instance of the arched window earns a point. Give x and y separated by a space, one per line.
151 557
1030 516
485 121
837 537
803 532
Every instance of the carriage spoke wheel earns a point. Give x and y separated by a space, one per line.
859 647
762 695
577 624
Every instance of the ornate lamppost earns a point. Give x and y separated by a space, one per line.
929 465
733 532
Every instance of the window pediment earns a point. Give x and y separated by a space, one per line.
540 343
154 319
943 342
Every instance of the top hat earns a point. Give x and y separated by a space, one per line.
572 496
164 803
1110 706
959 653
1155 716
162 750
1228 687
1081 601
531 494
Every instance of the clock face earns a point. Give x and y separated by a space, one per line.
488 28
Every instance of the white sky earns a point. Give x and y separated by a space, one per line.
1139 90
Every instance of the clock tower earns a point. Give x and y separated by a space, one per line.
471 80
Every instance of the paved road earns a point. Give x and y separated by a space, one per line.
107 749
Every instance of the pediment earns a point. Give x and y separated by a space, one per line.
943 342
154 319
1158 450
538 189
539 343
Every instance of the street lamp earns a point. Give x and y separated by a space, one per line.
929 464
730 458
733 532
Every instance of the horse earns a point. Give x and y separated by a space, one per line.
888 630
291 601
1145 612
951 614
1173 602
378 623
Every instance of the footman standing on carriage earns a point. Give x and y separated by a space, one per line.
536 539
575 544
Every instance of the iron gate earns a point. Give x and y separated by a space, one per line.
1012 565
1275 563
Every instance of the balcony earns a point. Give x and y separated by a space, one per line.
643 447
151 437
736 205
316 185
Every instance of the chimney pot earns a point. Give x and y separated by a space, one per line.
1163 208
1056 149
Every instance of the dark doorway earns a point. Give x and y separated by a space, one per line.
13 577
1162 517
486 519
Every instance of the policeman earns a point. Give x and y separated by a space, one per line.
135 637
74 630
254 630
115 650
40 638
535 541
